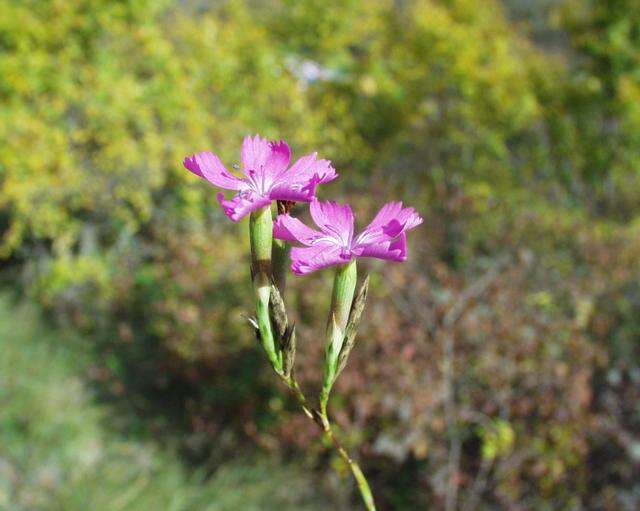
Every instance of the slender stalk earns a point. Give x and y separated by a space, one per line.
361 480
262 248
344 286
280 256
281 251
321 419
299 395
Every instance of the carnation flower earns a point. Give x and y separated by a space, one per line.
335 243
267 176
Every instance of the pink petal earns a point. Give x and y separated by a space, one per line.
242 204
389 223
334 219
309 167
266 158
295 192
209 166
325 171
305 260
278 159
394 250
298 184
288 228
255 152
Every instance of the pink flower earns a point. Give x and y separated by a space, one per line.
335 243
267 176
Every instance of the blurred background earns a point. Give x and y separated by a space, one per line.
498 368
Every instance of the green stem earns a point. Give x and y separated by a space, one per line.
263 248
280 256
344 286
361 480
261 238
322 420
299 395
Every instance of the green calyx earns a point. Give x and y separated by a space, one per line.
344 285
261 238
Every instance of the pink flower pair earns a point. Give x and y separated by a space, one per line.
268 177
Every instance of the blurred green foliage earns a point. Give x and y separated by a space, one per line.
56 453
519 142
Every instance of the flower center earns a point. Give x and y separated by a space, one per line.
258 181
341 237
